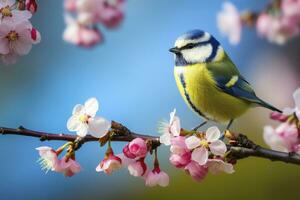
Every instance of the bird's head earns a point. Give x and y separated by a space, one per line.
196 46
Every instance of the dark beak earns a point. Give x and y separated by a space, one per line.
174 50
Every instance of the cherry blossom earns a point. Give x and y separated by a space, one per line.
216 166
200 146
296 110
110 163
277 29
81 35
137 148
229 23
68 166
196 171
180 154
284 138
9 14
291 9
48 158
15 38
137 168
170 130
157 177
84 120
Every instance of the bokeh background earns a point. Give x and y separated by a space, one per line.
132 76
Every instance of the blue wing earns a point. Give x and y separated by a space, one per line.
238 87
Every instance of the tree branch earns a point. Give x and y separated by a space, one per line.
242 149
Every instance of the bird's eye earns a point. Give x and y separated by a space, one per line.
189 46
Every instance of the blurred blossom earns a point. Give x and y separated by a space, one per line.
31 6
284 138
296 110
277 29
82 29
230 23
217 166
81 35
291 9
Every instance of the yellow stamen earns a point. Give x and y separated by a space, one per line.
204 143
12 36
84 118
6 12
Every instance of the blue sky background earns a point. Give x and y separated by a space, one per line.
131 74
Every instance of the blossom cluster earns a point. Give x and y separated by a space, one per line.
278 23
286 137
196 153
17 35
83 16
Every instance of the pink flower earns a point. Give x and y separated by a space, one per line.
291 8
216 166
68 167
180 154
157 177
9 14
70 5
81 35
137 168
229 23
196 171
111 14
109 164
137 148
31 6
209 141
170 130
15 38
48 159
284 138
296 110
277 29
180 161
278 116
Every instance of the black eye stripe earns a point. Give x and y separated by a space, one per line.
192 45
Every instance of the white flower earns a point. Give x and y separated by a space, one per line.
84 120
296 110
229 22
216 166
170 130
210 141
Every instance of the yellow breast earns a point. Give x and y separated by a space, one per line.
200 92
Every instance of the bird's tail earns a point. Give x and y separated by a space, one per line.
269 106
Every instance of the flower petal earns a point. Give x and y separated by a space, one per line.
200 155
91 106
192 142
78 109
99 126
213 134
82 130
296 96
73 123
288 111
165 139
218 148
163 180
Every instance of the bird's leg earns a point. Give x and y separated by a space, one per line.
229 124
199 126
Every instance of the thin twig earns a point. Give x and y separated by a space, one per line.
243 149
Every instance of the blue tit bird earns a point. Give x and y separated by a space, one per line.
209 81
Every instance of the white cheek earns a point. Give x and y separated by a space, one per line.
197 54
